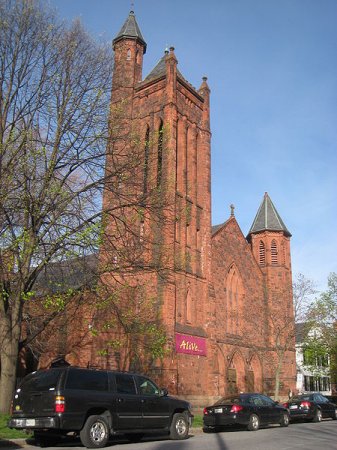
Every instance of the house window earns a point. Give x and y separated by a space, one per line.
274 252
128 55
262 254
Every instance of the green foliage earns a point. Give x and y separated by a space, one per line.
8 433
321 339
58 302
129 315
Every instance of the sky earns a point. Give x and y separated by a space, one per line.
272 70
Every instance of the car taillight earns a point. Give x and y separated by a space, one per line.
236 408
60 404
305 404
205 411
286 405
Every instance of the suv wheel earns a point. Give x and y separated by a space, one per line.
95 433
179 426
334 416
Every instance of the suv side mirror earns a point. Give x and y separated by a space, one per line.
163 392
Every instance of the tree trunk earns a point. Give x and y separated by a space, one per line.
277 376
9 357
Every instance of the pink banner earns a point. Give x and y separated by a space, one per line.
191 345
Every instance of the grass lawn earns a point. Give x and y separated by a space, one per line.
7 433
197 421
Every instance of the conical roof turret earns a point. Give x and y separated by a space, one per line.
268 219
130 30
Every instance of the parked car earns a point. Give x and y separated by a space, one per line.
251 410
313 407
96 404
332 398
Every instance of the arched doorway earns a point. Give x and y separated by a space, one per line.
254 375
236 374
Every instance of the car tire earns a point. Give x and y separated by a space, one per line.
179 426
95 433
254 423
317 416
284 420
334 416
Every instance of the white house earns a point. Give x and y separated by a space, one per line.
313 372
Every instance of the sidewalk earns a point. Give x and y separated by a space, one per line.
13 444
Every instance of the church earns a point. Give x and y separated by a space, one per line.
227 308
224 300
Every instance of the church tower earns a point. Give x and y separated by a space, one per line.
270 243
166 122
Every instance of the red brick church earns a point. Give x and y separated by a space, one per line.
227 306
227 309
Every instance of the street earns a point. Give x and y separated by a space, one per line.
306 436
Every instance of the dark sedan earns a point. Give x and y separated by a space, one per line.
313 407
250 410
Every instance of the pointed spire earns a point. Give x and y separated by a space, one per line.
204 87
130 30
268 219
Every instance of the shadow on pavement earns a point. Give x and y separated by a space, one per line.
163 442
15 444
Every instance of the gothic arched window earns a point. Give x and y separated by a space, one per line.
128 55
146 160
160 154
189 304
234 294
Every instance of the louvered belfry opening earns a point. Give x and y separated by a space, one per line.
262 254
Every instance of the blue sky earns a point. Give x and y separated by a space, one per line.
272 70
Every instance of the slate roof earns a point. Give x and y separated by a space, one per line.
301 331
159 71
71 274
130 29
268 219
216 228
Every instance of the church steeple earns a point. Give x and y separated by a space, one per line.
268 219
269 238
129 47
130 30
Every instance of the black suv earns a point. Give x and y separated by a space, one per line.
96 404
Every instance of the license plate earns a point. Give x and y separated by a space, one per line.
218 410
293 407
30 423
